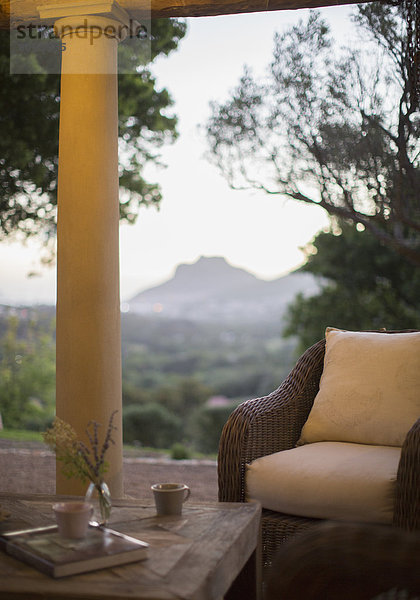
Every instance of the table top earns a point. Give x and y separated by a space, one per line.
195 556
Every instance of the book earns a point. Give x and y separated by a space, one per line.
56 556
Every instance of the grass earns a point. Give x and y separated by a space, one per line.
143 451
20 435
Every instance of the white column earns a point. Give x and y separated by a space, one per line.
88 305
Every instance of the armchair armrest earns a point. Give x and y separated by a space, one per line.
407 497
268 424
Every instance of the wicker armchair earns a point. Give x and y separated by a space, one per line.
273 423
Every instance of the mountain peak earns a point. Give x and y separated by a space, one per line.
212 270
211 288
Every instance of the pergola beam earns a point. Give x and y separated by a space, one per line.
18 12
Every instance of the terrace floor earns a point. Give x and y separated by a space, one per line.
29 468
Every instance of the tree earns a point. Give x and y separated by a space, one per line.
384 291
182 399
29 118
333 127
27 376
151 425
207 425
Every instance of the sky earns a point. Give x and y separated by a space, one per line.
199 215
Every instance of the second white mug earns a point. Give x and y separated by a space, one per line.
169 497
73 518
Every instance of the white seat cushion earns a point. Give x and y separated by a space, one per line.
327 480
369 389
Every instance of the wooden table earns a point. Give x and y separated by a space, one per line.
207 553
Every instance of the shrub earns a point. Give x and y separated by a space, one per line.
152 425
180 452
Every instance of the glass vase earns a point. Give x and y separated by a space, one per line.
99 495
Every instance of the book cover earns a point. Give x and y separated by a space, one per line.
46 550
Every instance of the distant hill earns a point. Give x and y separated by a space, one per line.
212 289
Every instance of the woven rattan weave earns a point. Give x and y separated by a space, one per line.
272 423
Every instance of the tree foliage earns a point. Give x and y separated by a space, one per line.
29 119
172 357
27 376
365 286
331 126
151 425
207 426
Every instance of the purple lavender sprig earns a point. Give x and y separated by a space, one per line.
108 438
95 460
84 461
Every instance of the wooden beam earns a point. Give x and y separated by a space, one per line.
203 8
19 12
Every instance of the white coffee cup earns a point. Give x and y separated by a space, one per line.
73 518
169 497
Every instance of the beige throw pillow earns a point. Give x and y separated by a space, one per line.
369 390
